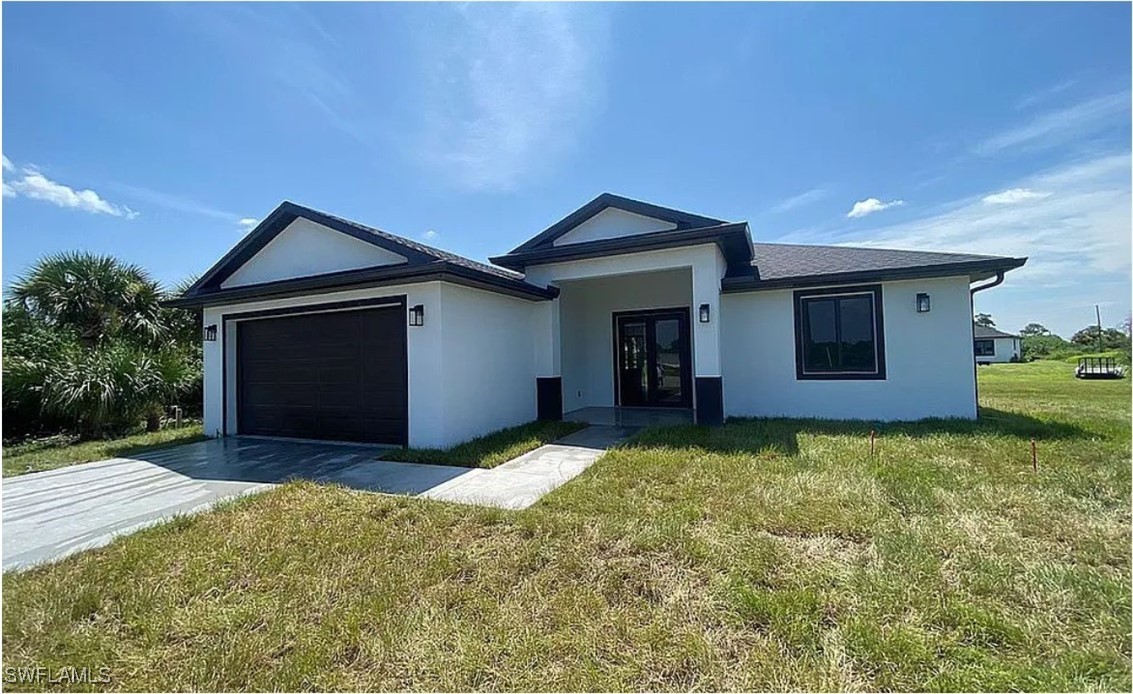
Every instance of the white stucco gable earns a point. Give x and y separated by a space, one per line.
613 223
304 249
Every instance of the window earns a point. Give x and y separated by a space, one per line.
838 334
985 348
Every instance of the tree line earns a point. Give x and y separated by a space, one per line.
89 349
1041 343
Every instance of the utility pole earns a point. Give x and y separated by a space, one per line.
1098 311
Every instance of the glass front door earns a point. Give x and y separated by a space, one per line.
653 359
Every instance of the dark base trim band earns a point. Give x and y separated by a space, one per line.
710 400
549 398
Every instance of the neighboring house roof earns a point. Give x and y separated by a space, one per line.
778 265
424 263
984 333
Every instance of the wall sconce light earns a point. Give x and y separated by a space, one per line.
923 303
417 315
210 333
705 313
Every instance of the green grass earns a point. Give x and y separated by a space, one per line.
60 451
1112 354
491 449
762 555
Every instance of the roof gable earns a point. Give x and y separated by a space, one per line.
612 223
303 249
600 219
384 259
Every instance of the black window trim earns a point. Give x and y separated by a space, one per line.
989 340
875 294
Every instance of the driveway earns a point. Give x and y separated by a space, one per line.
49 515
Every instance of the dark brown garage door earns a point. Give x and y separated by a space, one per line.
338 376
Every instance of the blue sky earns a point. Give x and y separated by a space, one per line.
159 133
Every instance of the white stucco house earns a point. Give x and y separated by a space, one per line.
319 327
995 346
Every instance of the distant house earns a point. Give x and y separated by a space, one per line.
996 346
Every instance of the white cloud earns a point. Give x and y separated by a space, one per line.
1059 126
8 164
801 200
248 223
509 87
870 205
35 186
1080 229
429 235
1014 196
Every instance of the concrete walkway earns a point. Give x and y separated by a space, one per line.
520 482
49 515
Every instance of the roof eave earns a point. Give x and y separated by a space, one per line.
360 279
733 239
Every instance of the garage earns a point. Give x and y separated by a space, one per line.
336 375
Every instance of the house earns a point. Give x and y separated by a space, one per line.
319 327
995 346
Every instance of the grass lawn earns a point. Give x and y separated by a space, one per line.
489 450
48 454
773 554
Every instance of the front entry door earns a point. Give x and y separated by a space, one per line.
653 361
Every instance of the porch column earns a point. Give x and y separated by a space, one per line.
548 362
709 386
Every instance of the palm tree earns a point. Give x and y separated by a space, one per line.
115 356
97 296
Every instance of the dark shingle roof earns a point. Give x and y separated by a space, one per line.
784 260
983 333
782 265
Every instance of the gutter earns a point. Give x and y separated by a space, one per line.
971 308
994 283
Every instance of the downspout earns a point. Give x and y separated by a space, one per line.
971 309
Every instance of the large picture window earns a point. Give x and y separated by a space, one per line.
985 348
838 333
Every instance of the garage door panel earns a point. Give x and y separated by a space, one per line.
336 376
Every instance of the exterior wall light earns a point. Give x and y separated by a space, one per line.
210 333
923 303
417 315
705 313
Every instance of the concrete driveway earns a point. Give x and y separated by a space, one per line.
49 515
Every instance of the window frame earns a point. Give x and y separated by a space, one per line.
874 292
989 340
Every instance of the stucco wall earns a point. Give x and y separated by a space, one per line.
586 310
928 358
488 357
305 248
